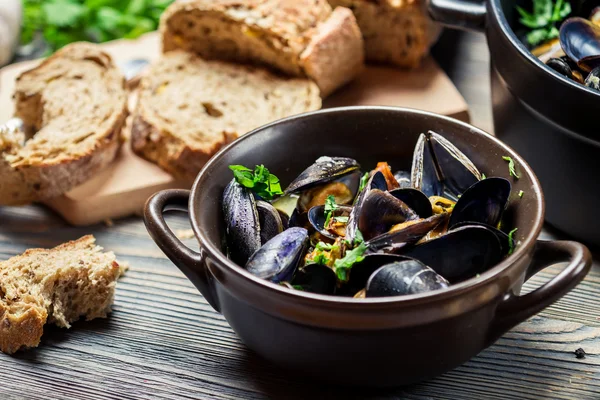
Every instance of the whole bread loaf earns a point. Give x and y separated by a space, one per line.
188 108
76 279
73 106
298 37
397 32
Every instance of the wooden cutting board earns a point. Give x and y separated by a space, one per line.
123 188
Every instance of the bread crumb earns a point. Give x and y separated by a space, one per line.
184 233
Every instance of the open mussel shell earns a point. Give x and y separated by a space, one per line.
270 221
402 278
380 211
483 202
324 169
441 169
415 200
580 40
241 221
505 241
316 278
391 242
459 254
361 271
342 189
278 259
376 181
317 218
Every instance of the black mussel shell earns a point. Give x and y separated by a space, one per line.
415 200
241 221
441 169
505 241
580 40
278 259
380 211
593 79
343 189
285 219
376 181
316 217
299 219
324 169
403 179
361 271
402 278
560 66
270 221
483 202
459 254
316 278
392 242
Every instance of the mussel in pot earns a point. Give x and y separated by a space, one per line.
580 40
402 278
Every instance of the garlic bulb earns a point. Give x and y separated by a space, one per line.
10 27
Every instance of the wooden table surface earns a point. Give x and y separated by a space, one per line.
163 341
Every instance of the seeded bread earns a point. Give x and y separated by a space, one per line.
397 32
76 279
74 104
188 108
301 38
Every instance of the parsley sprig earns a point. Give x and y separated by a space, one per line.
511 241
543 19
330 207
343 265
260 181
511 166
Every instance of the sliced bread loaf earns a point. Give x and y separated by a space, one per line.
56 286
73 106
298 37
188 108
397 32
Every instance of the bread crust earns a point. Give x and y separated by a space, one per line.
30 178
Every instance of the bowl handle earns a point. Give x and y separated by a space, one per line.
191 263
459 14
514 309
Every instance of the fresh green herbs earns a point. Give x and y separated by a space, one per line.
343 265
511 166
363 182
341 220
260 181
358 237
483 177
511 241
330 207
320 257
61 22
521 193
543 20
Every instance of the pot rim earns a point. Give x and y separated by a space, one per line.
522 250
526 54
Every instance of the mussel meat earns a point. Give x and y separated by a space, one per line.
278 259
337 224
402 278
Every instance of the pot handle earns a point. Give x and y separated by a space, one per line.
459 14
190 262
514 309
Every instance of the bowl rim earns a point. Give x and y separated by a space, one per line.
521 251
525 53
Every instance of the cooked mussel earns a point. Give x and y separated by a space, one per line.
270 221
324 169
380 211
376 181
593 79
402 278
241 221
560 66
415 200
506 242
278 259
337 224
360 272
441 169
580 40
459 254
316 278
483 202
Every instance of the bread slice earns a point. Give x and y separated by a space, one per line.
301 38
397 32
56 286
188 108
74 104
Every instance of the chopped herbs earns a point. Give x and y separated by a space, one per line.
358 237
352 257
330 206
511 166
260 181
341 220
298 287
521 193
363 182
511 241
543 19
483 177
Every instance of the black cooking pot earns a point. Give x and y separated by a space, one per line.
552 121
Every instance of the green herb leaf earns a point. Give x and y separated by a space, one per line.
63 12
511 166
521 193
260 181
511 241
298 287
330 206
343 265
341 220
358 237
483 177
324 246
363 182
543 20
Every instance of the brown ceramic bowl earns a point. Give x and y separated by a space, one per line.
377 341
